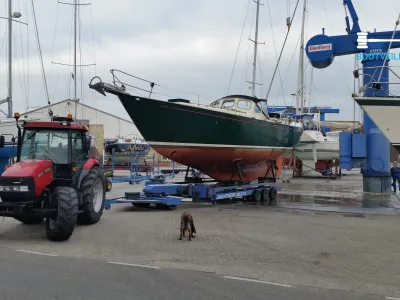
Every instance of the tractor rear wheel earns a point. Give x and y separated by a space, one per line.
61 226
93 195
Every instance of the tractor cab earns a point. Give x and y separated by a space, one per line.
61 142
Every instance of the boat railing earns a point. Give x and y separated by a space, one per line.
376 80
122 80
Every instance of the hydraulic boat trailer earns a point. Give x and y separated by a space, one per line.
169 195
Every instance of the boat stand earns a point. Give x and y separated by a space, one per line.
332 171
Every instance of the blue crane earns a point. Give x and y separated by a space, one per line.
373 48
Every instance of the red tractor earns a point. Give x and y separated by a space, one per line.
53 177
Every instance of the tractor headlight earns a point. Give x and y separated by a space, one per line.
15 188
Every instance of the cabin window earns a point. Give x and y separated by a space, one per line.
257 109
228 104
215 104
244 104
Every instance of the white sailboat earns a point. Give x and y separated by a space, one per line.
313 145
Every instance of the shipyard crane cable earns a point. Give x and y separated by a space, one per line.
341 64
237 51
280 55
390 45
40 53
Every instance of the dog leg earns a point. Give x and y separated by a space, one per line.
193 229
181 234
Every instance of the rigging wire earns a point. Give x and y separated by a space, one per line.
276 52
40 54
290 62
71 35
116 79
280 55
246 70
92 92
80 56
27 55
18 64
341 64
390 46
52 51
23 58
237 51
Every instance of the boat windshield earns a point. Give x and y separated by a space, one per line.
244 104
228 104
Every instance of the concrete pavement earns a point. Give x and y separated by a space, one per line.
289 247
26 275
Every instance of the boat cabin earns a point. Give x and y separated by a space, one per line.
241 104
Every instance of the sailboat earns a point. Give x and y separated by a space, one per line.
230 139
120 149
313 145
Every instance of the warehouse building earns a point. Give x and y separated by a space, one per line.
112 125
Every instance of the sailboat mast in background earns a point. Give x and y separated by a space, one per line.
8 100
75 21
300 82
253 84
255 41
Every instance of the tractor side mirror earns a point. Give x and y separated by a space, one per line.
87 142
2 141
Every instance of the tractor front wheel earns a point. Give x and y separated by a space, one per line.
61 226
93 195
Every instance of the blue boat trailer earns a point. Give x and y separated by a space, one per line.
142 200
261 191
169 195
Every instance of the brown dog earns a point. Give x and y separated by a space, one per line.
187 226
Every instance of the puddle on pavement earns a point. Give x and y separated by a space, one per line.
319 200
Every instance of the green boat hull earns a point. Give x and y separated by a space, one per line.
210 140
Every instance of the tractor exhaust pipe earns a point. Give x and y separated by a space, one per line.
19 139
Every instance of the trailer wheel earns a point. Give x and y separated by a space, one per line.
108 185
93 195
170 207
264 195
273 197
61 226
256 195
142 205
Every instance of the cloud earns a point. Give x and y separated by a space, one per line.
186 45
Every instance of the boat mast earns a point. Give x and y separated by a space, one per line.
300 82
10 106
253 83
10 17
75 14
75 82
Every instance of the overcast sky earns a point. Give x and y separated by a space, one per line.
185 45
